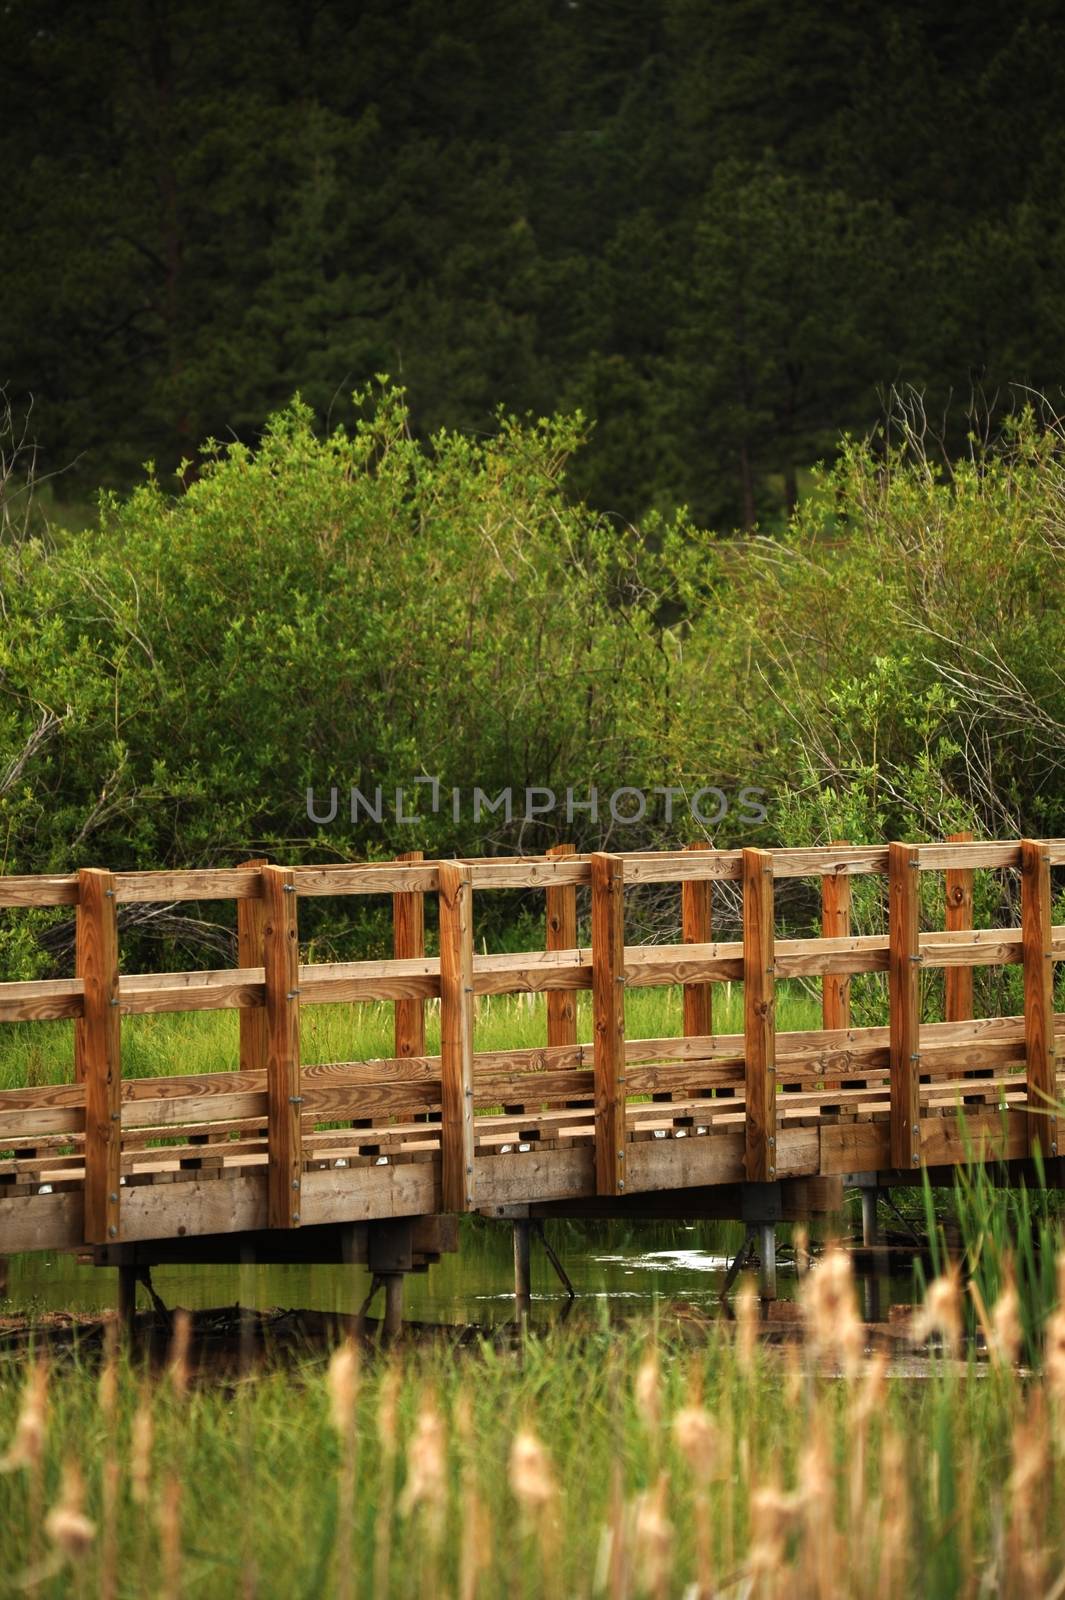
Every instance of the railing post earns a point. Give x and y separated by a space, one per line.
608 1014
958 981
456 1036
836 924
759 1017
696 927
252 1024
101 1053
561 935
1038 962
281 960
904 1003
408 942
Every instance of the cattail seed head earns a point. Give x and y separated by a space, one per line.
68 1528
941 1312
343 1382
654 1536
648 1390
1006 1329
27 1446
1054 1356
746 1324
386 1411
830 1309
531 1478
140 1453
696 1435
426 1463
179 1353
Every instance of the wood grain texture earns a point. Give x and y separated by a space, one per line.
408 941
561 925
281 962
608 1021
696 927
250 917
958 918
456 1037
836 924
904 1002
759 1017
1043 1120
100 1054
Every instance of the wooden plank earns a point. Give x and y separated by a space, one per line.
27 890
958 981
101 1057
817 862
941 857
421 877
250 918
408 942
608 1021
759 1017
226 883
281 963
1040 1052
40 1000
904 1002
562 935
836 924
696 927
456 1036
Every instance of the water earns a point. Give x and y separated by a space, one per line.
624 1267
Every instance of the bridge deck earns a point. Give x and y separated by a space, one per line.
275 1144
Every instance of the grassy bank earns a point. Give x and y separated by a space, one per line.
642 1462
206 1041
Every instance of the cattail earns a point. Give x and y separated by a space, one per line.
697 1439
941 1313
107 1392
142 1436
830 1309
1054 1355
772 1515
895 1518
426 1483
653 1537
26 1449
475 1547
179 1353
746 1324
1026 1553
170 1536
531 1478
386 1433
800 1239
343 1382
1007 1334
69 1530
647 1390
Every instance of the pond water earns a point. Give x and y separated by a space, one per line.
620 1267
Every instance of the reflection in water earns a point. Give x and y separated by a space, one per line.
626 1266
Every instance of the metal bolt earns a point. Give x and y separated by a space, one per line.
295 1216
621 1183
469 1171
916 960
289 888
916 1056
915 1159
295 1183
110 893
772 1139
295 1099
113 1198
291 994
112 1232
115 1116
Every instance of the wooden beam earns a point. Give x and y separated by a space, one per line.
456 1037
250 954
608 1014
836 924
100 1053
281 958
759 1018
696 927
408 943
904 1002
561 935
958 981
1040 1057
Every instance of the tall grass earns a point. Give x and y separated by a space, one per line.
619 1463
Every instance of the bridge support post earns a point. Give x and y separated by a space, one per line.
767 1251
522 1268
393 1323
127 1301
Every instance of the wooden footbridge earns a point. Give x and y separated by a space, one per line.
367 1159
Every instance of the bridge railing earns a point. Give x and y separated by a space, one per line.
273 1095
